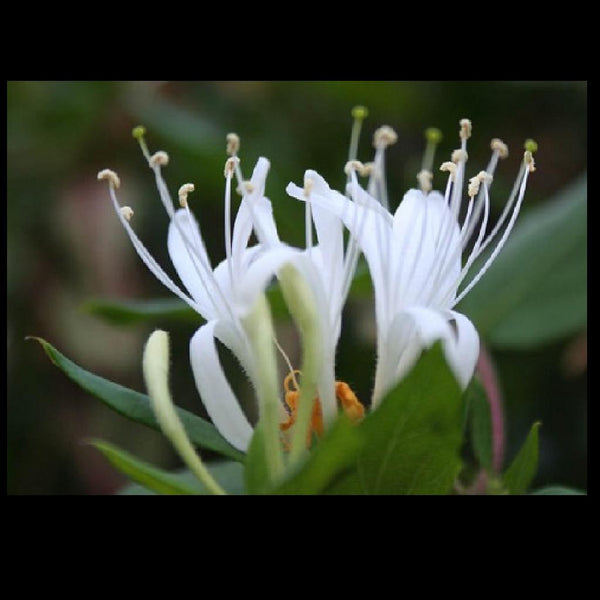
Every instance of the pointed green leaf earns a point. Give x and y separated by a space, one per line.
335 454
134 311
146 475
413 439
520 474
137 407
229 474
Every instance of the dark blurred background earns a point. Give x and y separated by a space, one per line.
65 246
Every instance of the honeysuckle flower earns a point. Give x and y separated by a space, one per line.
414 255
228 297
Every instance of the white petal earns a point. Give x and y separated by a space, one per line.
215 391
196 278
466 352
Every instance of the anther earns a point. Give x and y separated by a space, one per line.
425 178
475 182
308 186
230 165
248 188
353 165
459 155
127 212
465 129
233 143
159 158
384 136
528 157
499 146
111 177
184 190
451 167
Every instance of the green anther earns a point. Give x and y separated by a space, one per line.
138 132
531 145
360 112
433 135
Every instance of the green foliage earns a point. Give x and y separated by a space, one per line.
520 474
131 312
536 290
480 423
137 407
557 490
148 476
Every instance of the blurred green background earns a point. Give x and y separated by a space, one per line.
65 246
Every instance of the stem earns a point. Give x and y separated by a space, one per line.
489 380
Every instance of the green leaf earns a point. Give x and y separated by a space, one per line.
557 490
413 439
481 424
257 476
135 311
536 289
229 475
137 407
520 474
146 475
335 454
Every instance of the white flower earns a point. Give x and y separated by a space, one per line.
414 255
224 296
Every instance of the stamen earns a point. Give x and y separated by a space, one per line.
528 158
127 212
499 146
111 177
451 168
248 188
159 158
233 144
384 136
425 178
354 165
433 137
230 165
476 181
465 129
459 155
184 190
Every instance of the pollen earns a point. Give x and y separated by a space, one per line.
354 165
425 178
529 160
230 165
459 155
159 158
450 167
308 186
346 397
246 188
111 177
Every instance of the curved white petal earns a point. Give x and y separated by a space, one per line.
190 260
466 352
215 391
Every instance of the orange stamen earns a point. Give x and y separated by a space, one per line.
346 397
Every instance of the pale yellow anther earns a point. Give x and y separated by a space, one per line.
485 177
159 158
475 182
425 178
308 186
465 129
367 169
127 212
184 190
384 136
233 143
529 160
230 165
248 188
499 146
111 177
450 167
354 165
459 155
